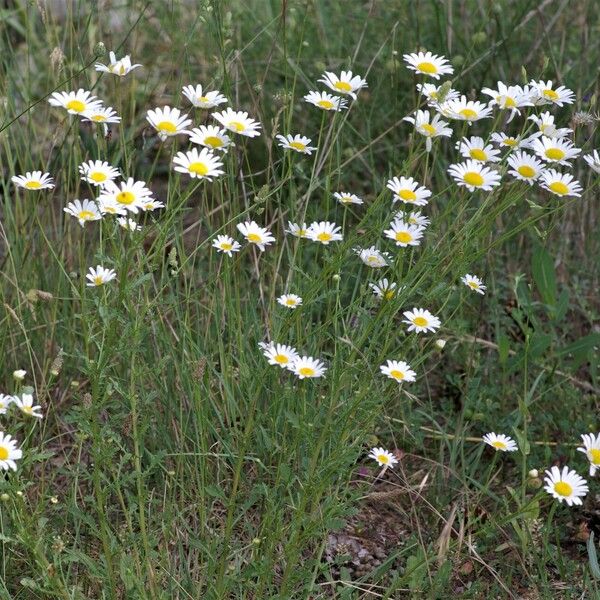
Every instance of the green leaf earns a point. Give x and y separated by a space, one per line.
593 557
542 268
580 349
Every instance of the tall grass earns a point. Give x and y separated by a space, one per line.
172 460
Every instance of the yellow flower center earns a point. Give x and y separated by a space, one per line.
397 374
4 454
407 195
85 215
33 185
343 86
468 114
75 105
510 142
213 141
97 176
562 488
382 458
420 321
203 99
326 104
122 70
199 168
111 210
253 237
282 359
290 302
427 67
594 456
550 94
372 258
236 125
473 285
508 101
499 445
306 371
298 146
555 154
428 129
167 127
125 197
27 409
226 246
472 178
389 294
98 118
478 154
403 236
558 187
98 280
324 236
526 171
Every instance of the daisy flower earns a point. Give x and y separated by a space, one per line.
476 149
383 457
111 207
430 129
238 122
297 230
198 165
128 194
19 375
129 224
150 205
525 167
345 198
5 401
500 442
561 184
97 172
99 276
75 103
509 141
474 175
290 300
384 289
426 63
226 245
83 211
407 190
373 257
591 448
117 67
346 83
555 151
298 143
543 93
255 234
546 126
27 407
326 101
211 136
421 320
437 93
101 114
306 367
168 122
462 109
202 99
324 232
593 161
279 354
404 234
398 371
34 180
9 452
565 485
509 97
414 219
473 282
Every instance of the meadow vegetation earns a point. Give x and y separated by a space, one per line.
237 364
